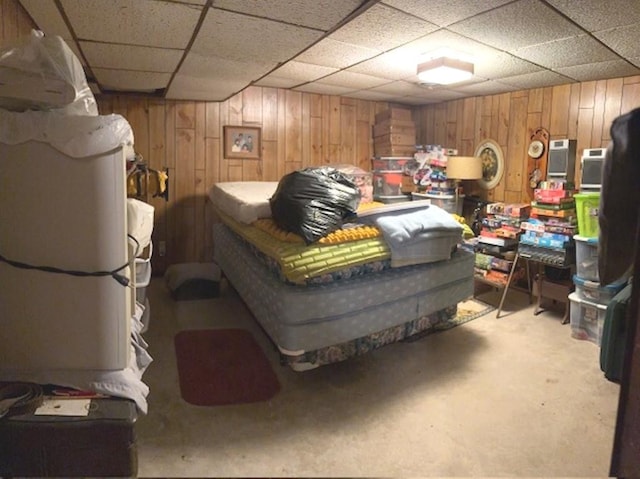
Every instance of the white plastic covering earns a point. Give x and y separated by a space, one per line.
75 136
140 221
126 382
41 72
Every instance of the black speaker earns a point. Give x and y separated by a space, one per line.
562 160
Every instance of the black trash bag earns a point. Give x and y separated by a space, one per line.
314 202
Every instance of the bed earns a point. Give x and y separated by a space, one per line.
339 297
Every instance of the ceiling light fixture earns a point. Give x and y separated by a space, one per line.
444 70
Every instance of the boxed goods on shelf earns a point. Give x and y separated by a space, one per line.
587 319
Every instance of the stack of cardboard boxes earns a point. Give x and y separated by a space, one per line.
394 133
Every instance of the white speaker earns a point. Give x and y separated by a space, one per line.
562 160
591 171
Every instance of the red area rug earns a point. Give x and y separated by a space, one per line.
223 366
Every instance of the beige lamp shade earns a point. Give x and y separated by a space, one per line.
464 167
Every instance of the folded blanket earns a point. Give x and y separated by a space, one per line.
422 236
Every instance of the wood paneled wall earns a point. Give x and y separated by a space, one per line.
14 22
579 111
298 130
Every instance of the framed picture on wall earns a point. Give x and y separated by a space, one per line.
242 142
492 164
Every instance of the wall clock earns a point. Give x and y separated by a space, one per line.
492 164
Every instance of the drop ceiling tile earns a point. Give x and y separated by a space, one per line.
439 93
392 65
233 35
503 65
489 87
356 81
324 89
488 62
517 25
444 13
595 15
47 17
199 66
131 57
536 80
566 52
319 14
369 95
277 82
125 80
599 71
331 53
444 39
138 22
412 100
185 87
382 28
400 88
623 40
303 72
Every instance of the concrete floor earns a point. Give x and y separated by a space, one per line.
515 396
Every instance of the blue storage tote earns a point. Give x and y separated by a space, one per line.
592 291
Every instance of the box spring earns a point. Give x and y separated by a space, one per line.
301 319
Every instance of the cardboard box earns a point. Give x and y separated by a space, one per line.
407 185
394 126
396 139
393 150
394 113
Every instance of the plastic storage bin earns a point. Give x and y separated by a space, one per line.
143 267
587 258
592 291
388 173
587 205
587 319
446 202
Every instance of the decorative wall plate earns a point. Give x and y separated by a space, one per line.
536 149
492 164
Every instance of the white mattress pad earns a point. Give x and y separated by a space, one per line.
245 201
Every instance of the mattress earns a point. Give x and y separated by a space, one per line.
306 318
245 201
295 262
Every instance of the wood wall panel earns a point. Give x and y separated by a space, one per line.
298 130
579 111
301 129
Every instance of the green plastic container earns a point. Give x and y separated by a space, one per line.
587 205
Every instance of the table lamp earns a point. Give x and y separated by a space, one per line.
463 168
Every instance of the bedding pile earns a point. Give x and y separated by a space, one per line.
378 237
378 274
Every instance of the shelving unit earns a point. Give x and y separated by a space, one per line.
497 256
548 241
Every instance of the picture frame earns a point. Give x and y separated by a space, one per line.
242 142
492 164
